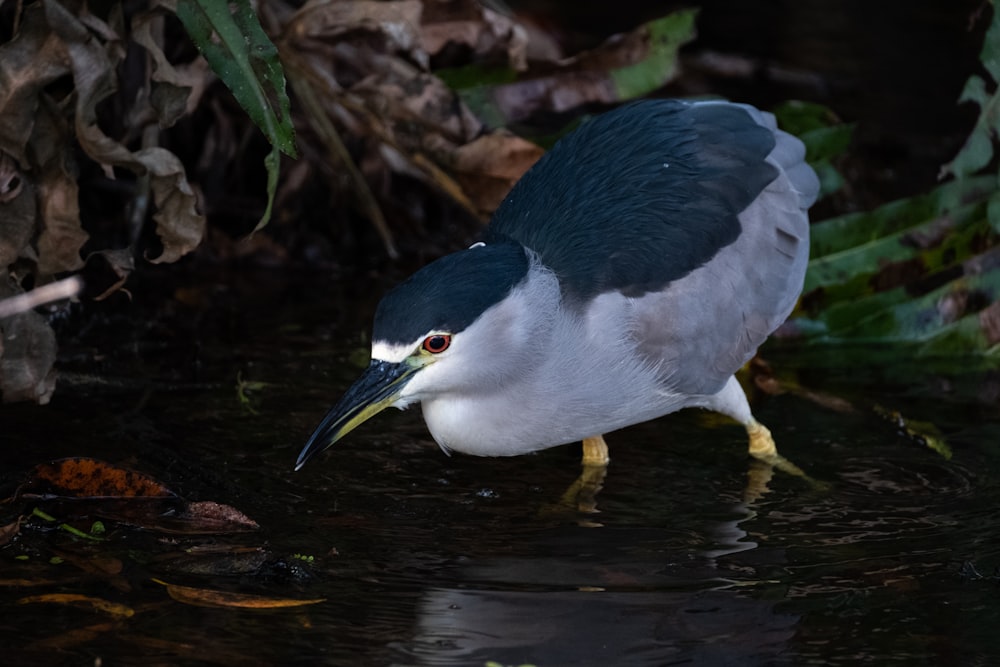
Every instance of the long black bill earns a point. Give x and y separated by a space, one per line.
377 388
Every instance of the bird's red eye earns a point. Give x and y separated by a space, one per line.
437 343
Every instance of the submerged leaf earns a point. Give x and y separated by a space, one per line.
203 597
90 478
77 600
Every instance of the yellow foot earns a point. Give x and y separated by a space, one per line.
763 449
595 451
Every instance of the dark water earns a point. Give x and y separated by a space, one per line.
425 559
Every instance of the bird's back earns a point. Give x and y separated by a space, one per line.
695 213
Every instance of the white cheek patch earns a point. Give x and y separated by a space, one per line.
392 352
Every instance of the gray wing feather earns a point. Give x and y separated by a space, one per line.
702 329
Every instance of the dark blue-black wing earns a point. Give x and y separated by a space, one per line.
639 196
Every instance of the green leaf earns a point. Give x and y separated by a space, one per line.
922 271
928 241
849 231
977 151
666 36
233 42
824 136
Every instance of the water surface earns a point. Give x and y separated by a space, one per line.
426 559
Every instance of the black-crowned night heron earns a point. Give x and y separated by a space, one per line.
629 274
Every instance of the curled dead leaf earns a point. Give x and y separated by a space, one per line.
396 22
486 34
35 57
178 223
176 89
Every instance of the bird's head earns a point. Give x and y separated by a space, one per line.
459 324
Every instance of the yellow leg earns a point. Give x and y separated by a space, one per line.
763 449
761 443
595 451
582 494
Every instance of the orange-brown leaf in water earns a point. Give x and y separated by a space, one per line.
77 600
27 583
90 478
203 597
72 638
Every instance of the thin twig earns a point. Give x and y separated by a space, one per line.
62 289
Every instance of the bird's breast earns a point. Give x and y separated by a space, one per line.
488 427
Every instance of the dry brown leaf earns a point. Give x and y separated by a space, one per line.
17 226
84 601
61 236
488 35
90 478
396 22
33 59
178 223
176 89
488 167
203 597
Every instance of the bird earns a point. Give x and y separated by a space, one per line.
629 274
